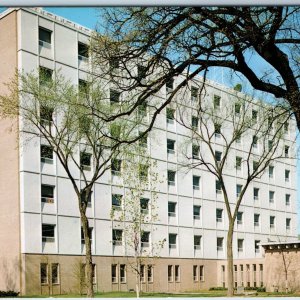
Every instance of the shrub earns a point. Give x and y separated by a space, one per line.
218 288
261 289
8 294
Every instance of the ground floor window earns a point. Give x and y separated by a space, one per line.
55 273
44 273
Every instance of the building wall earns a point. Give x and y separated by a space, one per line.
9 165
63 56
280 263
69 270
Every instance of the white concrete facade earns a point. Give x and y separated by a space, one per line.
64 214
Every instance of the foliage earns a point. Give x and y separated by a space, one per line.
9 294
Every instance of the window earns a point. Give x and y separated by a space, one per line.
237 108
89 198
47 193
83 51
143 172
116 165
256 246
219 215
238 138
141 73
55 273
170 86
287 175
114 64
150 273
196 182
46 154
256 220
238 163
286 151
255 166
48 233
123 273
117 236
116 201
194 93
44 273
218 156
254 115
171 177
83 87
85 161
196 212
195 151
195 123
172 209
142 109
270 145
271 171
142 273
114 96
195 273
271 196
90 233
256 193
144 205
45 76
220 241
288 223
143 141
286 127
287 199
238 190
46 116
170 146
272 222
240 243
254 141
114 276
239 218
177 273
170 115
201 268
217 101
172 240
218 187
45 37
197 242
170 273
217 130
145 239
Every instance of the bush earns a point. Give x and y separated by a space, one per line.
250 288
8 294
218 288
261 289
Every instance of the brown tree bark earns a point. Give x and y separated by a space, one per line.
230 291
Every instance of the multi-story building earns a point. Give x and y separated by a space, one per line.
41 248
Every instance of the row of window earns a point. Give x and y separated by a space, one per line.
48 236
242 275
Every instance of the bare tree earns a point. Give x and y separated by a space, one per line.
217 130
52 108
136 211
169 41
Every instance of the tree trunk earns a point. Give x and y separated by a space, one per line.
88 255
230 259
137 277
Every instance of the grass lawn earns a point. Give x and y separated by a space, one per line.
163 295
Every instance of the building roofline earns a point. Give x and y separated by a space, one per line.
53 17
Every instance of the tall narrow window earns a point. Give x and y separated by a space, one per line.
47 193
239 218
271 196
271 172
90 233
287 175
145 239
117 237
48 233
170 115
123 273
83 51
256 220
116 165
287 199
195 151
196 212
170 86
85 161
177 273
197 242
220 241
196 182
44 273
217 130
286 151
256 246
114 275
195 123
254 115
256 193
45 37
116 200
240 245
170 146
150 273
288 224
195 273
194 93
172 209
144 205
219 215
238 163
218 156
172 241
46 154
238 190
171 177
201 269
170 273
217 102
55 273
142 273
272 222
114 96
218 187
